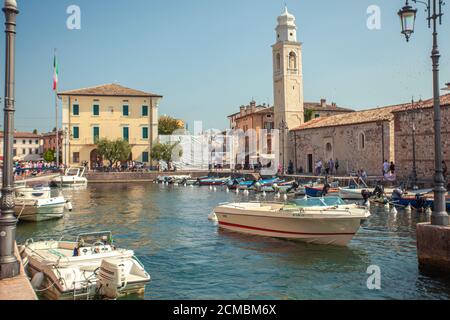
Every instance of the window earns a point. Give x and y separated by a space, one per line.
125 111
36 141
30 141
24 141
15 141
145 156
362 141
144 133
24 151
96 133
126 132
96 110
76 110
30 151
268 125
36 150
292 60
316 115
144 111
76 132
76 157
278 62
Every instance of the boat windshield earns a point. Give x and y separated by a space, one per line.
319 202
88 239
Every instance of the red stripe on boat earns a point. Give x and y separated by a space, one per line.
279 231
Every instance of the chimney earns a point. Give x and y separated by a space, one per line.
333 104
242 110
323 103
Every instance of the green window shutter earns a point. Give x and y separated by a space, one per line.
125 110
145 156
126 133
76 132
144 133
96 110
144 111
96 132
76 110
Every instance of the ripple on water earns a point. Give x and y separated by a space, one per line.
189 257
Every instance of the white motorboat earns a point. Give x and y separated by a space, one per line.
74 176
327 220
37 204
90 267
353 193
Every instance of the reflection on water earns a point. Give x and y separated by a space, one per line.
189 257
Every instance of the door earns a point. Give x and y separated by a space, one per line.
310 163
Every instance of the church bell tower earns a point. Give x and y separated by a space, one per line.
287 80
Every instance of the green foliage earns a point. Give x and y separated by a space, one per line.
113 150
49 155
166 151
167 125
35 131
308 114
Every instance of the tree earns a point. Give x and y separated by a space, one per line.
49 155
308 114
54 129
113 150
35 131
166 151
167 125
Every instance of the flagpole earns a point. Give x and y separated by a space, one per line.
56 109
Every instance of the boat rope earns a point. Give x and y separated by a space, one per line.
21 210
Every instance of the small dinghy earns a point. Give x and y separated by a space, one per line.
90 267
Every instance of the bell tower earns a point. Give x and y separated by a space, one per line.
287 80
287 73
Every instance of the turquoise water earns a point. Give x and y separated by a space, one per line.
189 257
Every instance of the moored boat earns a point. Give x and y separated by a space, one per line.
90 266
325 220
320 190
73 177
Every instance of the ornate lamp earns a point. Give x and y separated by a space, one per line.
408 19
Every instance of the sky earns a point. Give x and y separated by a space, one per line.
208 57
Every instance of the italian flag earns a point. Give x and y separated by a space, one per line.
55 73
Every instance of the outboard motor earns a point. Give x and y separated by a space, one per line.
325 189
366 195
397 194
112 277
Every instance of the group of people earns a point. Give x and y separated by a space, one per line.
329 167
27 168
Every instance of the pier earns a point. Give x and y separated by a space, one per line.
19 287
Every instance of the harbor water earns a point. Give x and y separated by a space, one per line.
189 257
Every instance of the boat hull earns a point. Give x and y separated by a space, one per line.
331 231
353 194
39 213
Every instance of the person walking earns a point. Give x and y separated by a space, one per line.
385 167
392 168
336 165
331 165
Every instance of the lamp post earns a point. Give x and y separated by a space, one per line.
9 265
408 16
284 128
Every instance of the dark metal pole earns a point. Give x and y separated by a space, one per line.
439 215
414 168
9 265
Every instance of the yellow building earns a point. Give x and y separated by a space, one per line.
107 111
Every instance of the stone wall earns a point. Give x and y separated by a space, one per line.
357 146
424 124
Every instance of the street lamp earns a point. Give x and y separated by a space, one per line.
408 16
284 128
9 265
408 19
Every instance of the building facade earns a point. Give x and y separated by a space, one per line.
108 111
26 146
419 118
49 141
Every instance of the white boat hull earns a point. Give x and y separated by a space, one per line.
352 194
39 213
319 230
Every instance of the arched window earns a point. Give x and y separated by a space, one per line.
362 141
278 62
292 60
